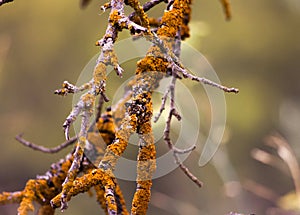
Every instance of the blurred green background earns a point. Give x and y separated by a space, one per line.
43 43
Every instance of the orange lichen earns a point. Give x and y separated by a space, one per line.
9 198
141 198
39 190
152 63
185 30
172 20
99 73
84 183
227 8
45 188
114 17
135 4
133 114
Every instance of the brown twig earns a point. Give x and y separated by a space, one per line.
176 66
176 151
286 153
163 104
173 112
188 75
168 140
44 149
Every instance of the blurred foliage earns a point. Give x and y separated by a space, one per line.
43 43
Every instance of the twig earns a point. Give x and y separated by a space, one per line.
204 80
175 62
78 108
88 104
147 6
269 159
286 153
163 104
176 151
70 88
261 191
168 140
173 112
44 149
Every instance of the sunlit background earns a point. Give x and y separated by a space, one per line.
43 43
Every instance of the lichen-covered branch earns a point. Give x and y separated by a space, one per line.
47 186
41 190
132 114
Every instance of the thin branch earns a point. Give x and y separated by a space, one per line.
68 88
286 153
44 149
186 74
163 104
106 6
147 6
175 65
72 117
173 112
168 140
184 151
261 191
88 104
269 159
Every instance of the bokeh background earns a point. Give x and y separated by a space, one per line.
43 43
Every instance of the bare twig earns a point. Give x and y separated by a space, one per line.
173 112
176 66
44 149
261 190
168 140
176 151
286 153
205 81
269 159
163 104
